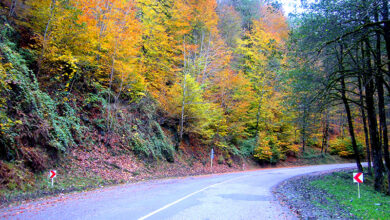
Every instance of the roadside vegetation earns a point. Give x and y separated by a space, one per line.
370 205
333 195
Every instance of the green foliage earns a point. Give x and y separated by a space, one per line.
247 147
275 155
201 117
145 136
162 146
156 146
96 100
60 125
310 153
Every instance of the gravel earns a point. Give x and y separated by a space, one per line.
308 202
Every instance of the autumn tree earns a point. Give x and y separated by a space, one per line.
261 52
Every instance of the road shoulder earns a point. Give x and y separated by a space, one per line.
307 201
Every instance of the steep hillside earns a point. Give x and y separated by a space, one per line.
43 128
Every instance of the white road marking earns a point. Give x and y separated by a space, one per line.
187 196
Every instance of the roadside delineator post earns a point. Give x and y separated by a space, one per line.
358 178
211 157
52 175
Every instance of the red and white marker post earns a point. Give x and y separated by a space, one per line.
358 178
52 175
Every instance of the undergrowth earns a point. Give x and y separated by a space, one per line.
314 156
36 128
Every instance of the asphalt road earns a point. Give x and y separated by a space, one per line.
240 195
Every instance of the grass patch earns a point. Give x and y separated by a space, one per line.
371 205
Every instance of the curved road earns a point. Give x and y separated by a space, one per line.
241 195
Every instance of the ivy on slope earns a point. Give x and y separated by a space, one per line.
29 117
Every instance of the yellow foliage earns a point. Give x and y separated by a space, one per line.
4 87
294 149
263 153
342 147
344 154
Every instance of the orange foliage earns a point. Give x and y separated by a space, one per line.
274 22
181 54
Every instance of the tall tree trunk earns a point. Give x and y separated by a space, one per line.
325 133
12 8
364 118
350 125
386 31
258 115
109 112
183 94
379 80
372 121
348 111
183 108
52 8
342 125
303 133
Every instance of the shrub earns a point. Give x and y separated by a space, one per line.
292 149
275 155
220 159
268 148
343 147
146 137
247 147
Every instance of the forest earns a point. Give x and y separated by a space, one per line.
154 78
